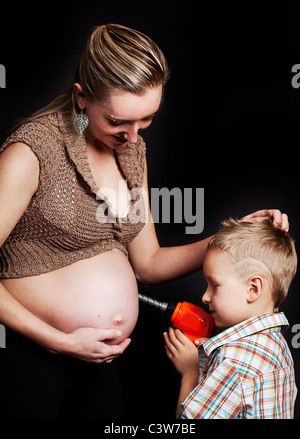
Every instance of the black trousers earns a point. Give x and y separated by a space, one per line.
36 384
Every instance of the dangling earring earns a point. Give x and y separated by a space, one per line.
80 122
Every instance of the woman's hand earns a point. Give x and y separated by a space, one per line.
182 352
280 220
91 345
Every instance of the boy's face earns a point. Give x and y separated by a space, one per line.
226 293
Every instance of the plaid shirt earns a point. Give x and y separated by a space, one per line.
247 372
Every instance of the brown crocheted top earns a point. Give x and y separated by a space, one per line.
65 220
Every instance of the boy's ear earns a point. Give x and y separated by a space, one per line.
255 287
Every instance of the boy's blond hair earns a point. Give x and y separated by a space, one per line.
259 248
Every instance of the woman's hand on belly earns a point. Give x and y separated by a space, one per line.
93 345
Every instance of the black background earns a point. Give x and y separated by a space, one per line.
229 123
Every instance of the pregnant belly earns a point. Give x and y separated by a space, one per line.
99 292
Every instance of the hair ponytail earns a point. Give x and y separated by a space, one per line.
116 57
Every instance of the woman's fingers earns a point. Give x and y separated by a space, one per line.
278 218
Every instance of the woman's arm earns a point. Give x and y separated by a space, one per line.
19 177
153 264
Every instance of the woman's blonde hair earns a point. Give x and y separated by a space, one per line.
116 57
259 248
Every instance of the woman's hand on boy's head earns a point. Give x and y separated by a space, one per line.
278 219
181 351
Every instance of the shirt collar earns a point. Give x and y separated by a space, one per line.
245 328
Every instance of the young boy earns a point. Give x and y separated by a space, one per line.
246 371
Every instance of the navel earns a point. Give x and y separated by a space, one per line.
117 320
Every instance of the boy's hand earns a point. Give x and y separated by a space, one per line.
200 341
182 352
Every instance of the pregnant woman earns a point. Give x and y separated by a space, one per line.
72 243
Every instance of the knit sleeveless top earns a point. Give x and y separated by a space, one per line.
68 219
